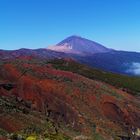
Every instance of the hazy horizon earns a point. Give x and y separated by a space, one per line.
39 23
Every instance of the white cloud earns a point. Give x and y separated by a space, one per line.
134 68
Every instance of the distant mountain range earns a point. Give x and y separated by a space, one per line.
84 51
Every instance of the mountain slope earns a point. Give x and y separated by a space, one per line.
121 62
79 106
129 84
79 45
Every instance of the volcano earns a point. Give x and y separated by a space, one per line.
78 45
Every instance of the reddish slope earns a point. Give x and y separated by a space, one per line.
71 100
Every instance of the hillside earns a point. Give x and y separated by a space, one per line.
130 84
62 104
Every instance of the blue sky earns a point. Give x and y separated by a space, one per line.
39 23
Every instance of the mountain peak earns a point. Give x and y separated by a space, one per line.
75 36
79 45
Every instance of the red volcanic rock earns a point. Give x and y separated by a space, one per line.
3 138
124 113
61 73
112 112
9 73
69 98
9 125
131 114
92 98
108 98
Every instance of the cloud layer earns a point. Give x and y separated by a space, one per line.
134 68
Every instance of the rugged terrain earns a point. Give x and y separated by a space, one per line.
43 98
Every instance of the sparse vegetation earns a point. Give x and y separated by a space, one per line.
63 100
126 83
